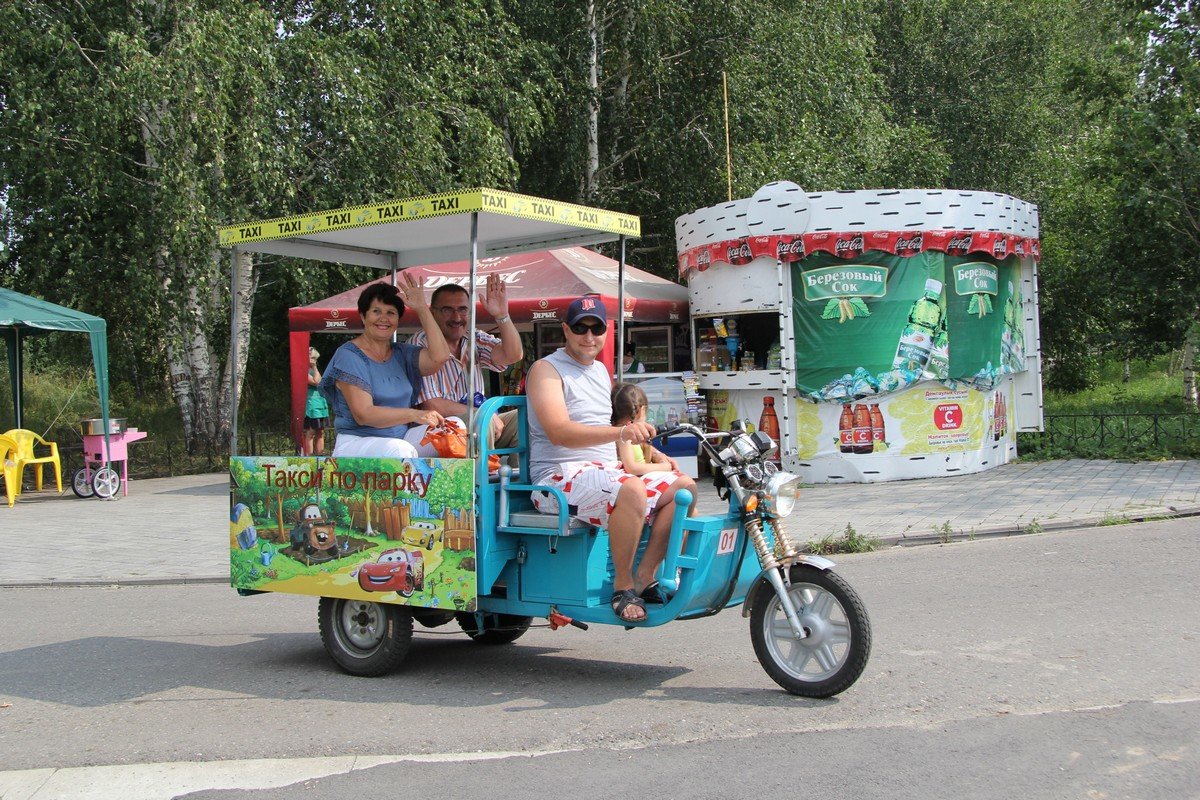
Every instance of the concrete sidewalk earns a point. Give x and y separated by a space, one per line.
171 530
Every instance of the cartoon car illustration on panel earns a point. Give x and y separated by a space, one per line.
396 570
421 534
314 533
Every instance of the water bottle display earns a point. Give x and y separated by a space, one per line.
916 340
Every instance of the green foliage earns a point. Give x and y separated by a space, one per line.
849 541
129 132
1114 418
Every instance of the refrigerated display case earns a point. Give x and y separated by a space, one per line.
654 346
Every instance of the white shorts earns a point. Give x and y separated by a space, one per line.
347 446
591 488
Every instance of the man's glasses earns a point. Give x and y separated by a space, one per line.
597 328
446 311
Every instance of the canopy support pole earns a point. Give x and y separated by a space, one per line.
472 389
18 378
620 362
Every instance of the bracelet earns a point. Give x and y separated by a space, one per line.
621 435
502 320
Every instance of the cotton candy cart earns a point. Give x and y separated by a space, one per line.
98 476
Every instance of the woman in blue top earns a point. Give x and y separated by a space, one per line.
372 382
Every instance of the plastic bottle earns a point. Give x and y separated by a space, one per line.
878 434
768 423
916 340
846 429
862 429
939 355
775 357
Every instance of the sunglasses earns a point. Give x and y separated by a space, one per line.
597 328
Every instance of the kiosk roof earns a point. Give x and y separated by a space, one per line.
431 228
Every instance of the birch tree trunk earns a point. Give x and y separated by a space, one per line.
590 185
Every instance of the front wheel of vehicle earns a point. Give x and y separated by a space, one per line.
496 628
833 655
364 638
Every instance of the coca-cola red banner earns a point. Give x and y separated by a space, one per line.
789 248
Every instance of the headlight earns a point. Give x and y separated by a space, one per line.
782 490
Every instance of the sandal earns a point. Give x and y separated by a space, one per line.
623 599
652 594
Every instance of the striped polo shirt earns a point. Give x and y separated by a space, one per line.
450 382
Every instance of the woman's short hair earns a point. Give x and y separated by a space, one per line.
383 292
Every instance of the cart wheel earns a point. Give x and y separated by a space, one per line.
81 484
106 482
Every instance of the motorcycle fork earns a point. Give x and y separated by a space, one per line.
774 573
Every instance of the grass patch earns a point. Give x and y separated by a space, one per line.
849 541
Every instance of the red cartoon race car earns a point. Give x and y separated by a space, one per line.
396 570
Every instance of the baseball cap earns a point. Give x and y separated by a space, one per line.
589 305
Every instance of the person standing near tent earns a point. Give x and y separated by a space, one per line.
372 382
629 362
446 390
316 410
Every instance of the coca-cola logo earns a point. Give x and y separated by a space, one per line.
959 243
703 259
739 253
1019 249
1035 248
909 245
789 251
1000 247
848 247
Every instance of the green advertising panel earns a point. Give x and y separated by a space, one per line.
864 325
983 318
880 323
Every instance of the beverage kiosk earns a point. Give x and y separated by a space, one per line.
887 334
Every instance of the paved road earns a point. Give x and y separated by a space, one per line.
174 529
1045 666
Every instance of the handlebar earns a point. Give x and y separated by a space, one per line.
694 430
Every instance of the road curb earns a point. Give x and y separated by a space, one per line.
1002 531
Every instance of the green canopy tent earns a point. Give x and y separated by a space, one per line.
22 316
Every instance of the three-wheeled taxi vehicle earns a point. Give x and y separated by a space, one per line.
386 542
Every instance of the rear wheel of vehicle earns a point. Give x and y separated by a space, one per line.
364 638
496 628
106 482
835 652
81 484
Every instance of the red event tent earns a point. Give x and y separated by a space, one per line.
540 286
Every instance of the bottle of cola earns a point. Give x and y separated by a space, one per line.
862 429
846 429
768 423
